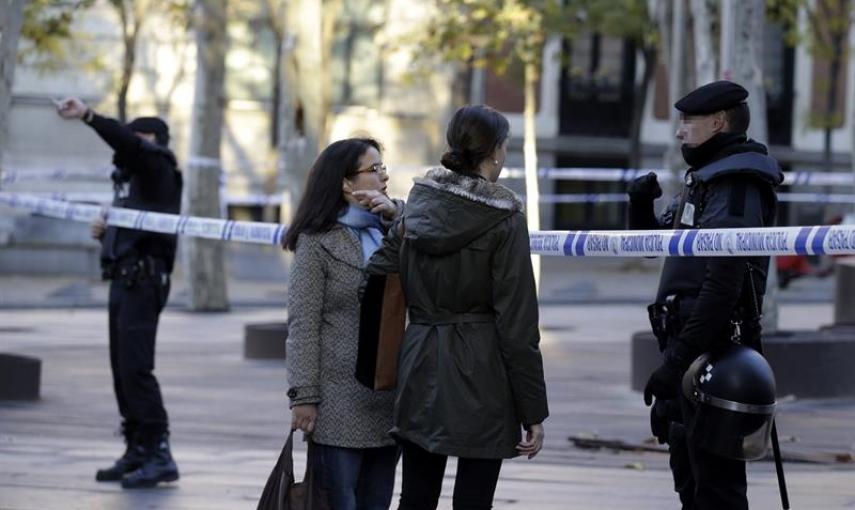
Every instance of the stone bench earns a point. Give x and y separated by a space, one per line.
265 340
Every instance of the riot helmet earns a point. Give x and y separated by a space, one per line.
732 390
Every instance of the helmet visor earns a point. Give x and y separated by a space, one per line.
732 434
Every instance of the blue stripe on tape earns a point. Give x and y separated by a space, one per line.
688 243
139 223
819 240
801 240
277 236
580 243
674 244
568 243
182 222
227 230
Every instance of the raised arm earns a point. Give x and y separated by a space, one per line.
117 136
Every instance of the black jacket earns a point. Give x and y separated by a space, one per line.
470 372
733 189
146 178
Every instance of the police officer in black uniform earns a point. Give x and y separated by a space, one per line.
703 303
138 264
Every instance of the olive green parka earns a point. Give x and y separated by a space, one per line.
470 372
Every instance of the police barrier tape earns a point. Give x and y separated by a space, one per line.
259 199
107 198
814 240
208 228
800 178
730 242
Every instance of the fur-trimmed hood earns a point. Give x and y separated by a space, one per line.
446 210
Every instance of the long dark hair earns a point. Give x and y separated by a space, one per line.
473 134
322 201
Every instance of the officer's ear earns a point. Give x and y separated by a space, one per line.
720 123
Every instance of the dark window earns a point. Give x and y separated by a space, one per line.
778 67
596 86
356 66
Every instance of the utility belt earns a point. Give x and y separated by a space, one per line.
135 270
669 317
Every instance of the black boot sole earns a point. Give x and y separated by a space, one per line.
148 483
105 475
108 477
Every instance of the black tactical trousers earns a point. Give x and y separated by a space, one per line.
704 481
134 310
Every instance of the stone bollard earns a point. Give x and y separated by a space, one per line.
844 296
20 377
265 340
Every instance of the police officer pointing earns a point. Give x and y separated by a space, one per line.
138 264
706 304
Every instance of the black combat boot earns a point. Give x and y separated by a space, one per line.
132 459
157 467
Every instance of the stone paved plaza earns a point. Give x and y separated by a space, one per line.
229 418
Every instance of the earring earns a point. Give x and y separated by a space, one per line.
496 162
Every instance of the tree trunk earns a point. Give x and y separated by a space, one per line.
703 16
11 20
742 24
125 80
311 24
639 102
276 102
532 193
204 257
676 89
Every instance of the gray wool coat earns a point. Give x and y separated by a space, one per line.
323 335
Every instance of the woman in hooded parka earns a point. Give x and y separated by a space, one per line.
470 372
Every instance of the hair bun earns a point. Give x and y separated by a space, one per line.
455 161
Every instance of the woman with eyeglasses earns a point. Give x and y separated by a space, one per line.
339 223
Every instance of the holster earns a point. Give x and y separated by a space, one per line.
665 320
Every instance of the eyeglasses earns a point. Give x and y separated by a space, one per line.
376 168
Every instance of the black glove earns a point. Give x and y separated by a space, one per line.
662 415
664 383
644 189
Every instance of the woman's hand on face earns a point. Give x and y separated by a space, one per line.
303 417
533 441
376 202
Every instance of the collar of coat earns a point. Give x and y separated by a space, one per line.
343 245
477 190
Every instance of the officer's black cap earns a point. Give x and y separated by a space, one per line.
152 125
712 97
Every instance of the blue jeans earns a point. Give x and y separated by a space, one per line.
356 478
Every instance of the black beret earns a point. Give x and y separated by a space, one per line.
152 125
712 97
